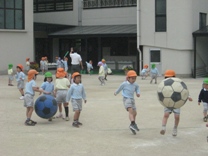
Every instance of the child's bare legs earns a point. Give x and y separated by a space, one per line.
205 105
60 110
29 112
132 117
164 122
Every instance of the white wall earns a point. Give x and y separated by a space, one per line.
109 16
17 45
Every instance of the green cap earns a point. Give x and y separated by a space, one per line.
48 74
205 81
153 65
10 66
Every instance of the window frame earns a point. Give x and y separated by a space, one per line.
159 15
15 10
202 17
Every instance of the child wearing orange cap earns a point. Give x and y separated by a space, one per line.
20 78
76 93
128 89
144 72
27 64
61 86
30 89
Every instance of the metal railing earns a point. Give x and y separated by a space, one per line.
87 4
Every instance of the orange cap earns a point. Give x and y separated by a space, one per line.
60 73
103 60
76 74
20 66
169 73
31 73
131 73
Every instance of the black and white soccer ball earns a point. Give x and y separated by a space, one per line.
172 93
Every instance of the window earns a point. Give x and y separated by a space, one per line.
11 14
90 4
52 5
202 20
154 55
160 16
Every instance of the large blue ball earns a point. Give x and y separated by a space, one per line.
46 106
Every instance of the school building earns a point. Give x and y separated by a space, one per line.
170 34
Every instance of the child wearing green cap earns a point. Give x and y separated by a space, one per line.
154 73
10 74
203 97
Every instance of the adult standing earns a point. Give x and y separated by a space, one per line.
76 61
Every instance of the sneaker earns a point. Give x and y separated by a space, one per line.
75 124
59 116
79 123
21 98
174 132
29 123
205 119
50 119
132 130
162 132
33 122
67 118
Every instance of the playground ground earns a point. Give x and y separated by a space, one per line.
105 129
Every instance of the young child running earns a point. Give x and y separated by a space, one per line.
167 111
76 93
30 89
47 87
105 69
128 88
144 72
10 74
154 73
203 97
61 86
20 78
101 73
89 66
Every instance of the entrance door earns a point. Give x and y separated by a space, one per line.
155 58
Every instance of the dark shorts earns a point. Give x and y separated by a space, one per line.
75 68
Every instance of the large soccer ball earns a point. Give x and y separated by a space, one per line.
46 106
172 93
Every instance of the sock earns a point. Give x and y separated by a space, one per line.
66 111
163 127
175 127
28 119
133 122
22 94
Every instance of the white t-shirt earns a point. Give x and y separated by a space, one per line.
76 58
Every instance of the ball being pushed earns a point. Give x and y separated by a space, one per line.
46 106
172 93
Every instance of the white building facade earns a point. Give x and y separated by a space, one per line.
165 33
16 33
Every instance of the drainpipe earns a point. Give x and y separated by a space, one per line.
138 36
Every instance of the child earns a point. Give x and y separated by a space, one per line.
10 74
144 72
154 73
89 66
20 77
105 68
42 65
128 88
76 93
46 63
47 86
203 96
126 68
167 111
61 86
101 73
27 64
30 89
65 64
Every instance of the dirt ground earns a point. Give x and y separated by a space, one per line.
105 129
